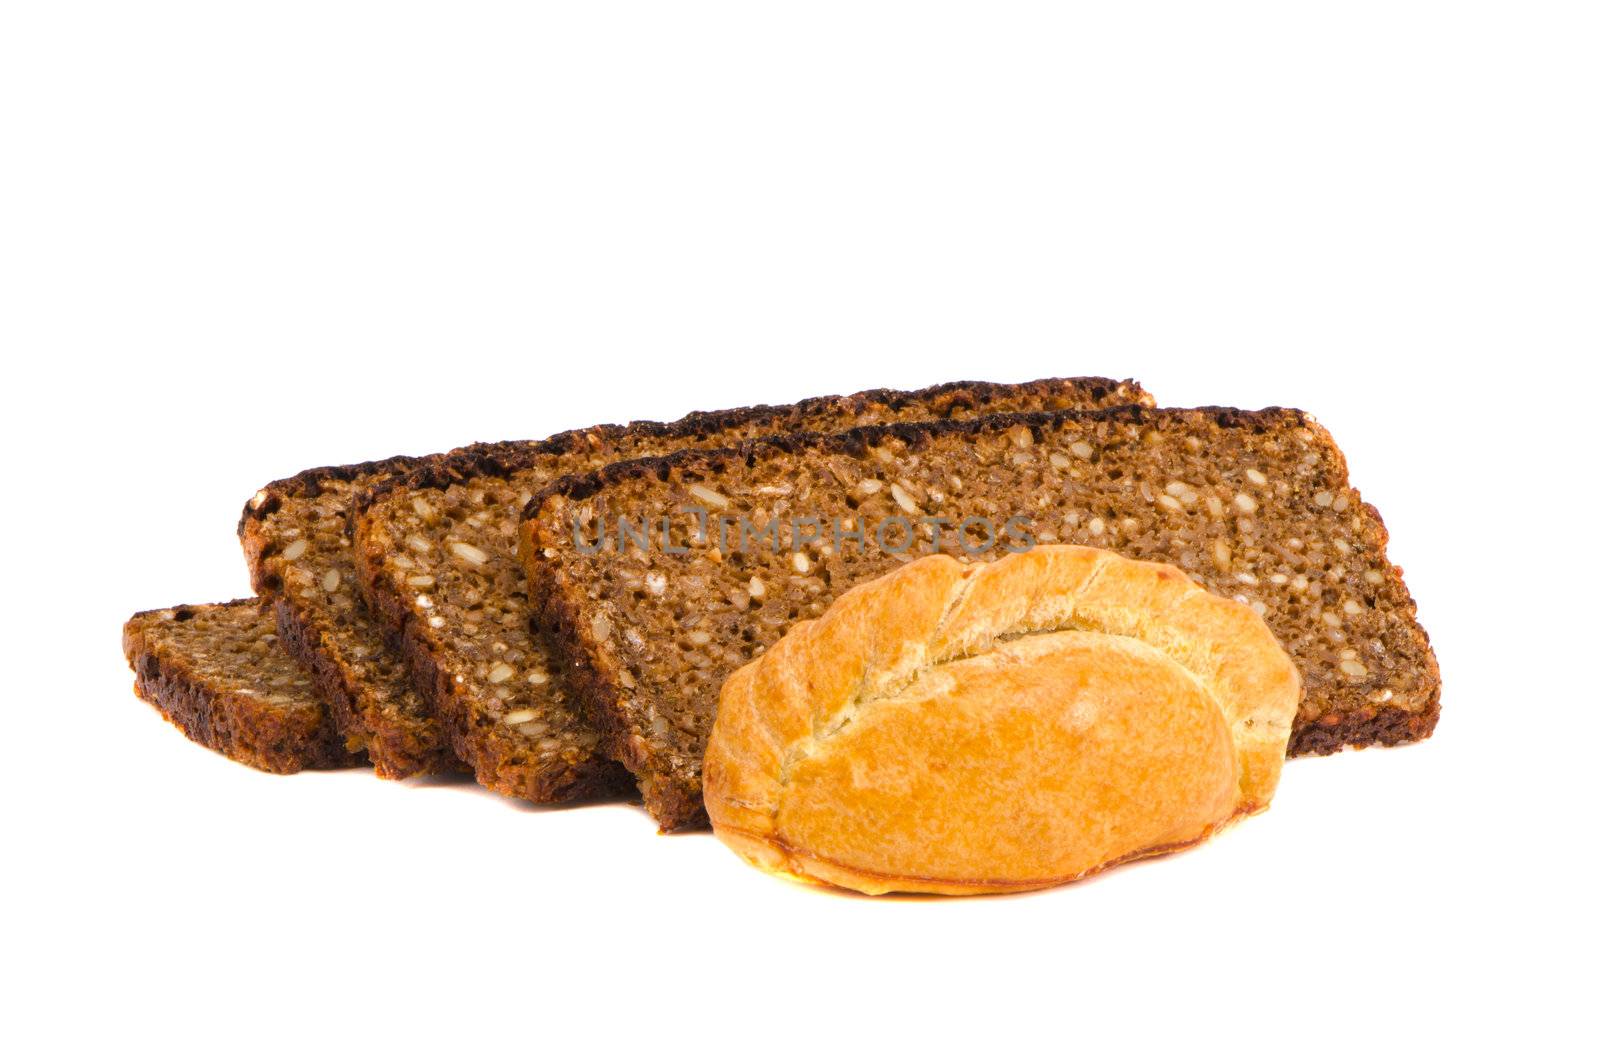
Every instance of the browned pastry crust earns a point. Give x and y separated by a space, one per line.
218 673
436 561
957 728
1251 504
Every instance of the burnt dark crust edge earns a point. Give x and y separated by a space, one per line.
501 459
677 806
238 727
856 440
1389 727
308 483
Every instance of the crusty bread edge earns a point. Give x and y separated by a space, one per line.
308 483
690 432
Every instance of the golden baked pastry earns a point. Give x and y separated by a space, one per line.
958 729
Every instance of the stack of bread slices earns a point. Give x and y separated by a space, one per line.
557 617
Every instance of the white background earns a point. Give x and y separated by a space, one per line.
238 240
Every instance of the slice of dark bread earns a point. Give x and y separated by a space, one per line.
219 673
436 556
295 534
1254 505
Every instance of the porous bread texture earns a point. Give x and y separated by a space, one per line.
957 728
296 539
436 557
219 673
1255 506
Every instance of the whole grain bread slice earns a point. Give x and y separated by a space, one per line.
219 673
1254 505
295 534
436 559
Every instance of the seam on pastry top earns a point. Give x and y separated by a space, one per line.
963 590
842 718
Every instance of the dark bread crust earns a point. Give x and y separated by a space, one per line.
673 797
310 483
1368 727
499 459
857 440
242 727
502 759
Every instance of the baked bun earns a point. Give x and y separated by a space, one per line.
961 728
